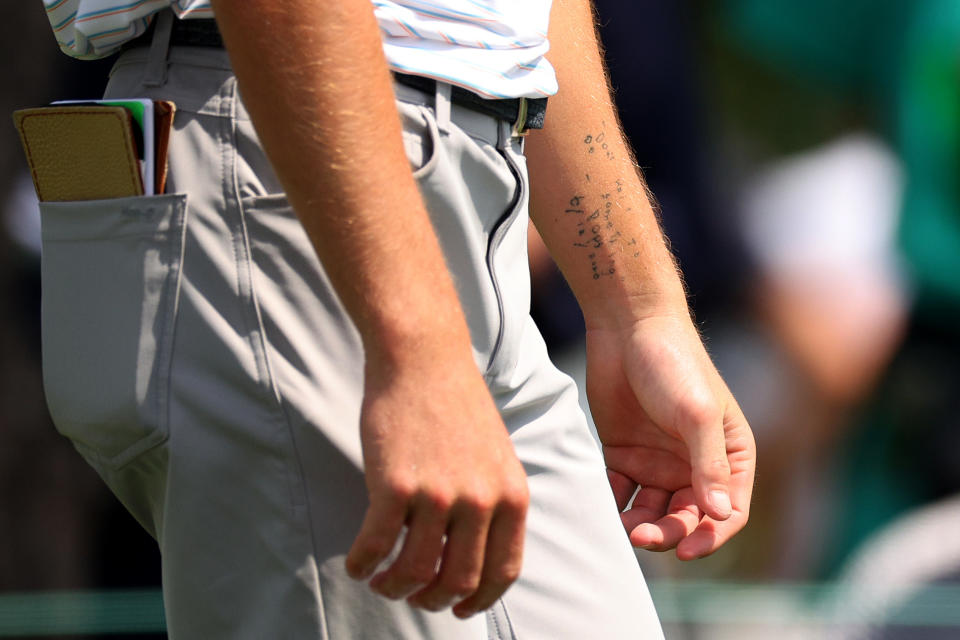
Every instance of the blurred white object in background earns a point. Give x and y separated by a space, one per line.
822 228
21 214
834 207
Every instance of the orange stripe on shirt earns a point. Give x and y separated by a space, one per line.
65 25
112 13
406 28
56 6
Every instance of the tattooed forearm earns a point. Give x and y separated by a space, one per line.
599 211
593 210
596 213
597 143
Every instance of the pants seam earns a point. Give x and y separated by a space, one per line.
506 616
500 618
259 342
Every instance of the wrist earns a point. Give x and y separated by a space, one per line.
410 341
626 309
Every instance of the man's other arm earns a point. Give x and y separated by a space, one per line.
437 456
667 421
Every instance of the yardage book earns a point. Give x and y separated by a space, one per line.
89 151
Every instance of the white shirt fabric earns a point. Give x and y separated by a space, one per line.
493 47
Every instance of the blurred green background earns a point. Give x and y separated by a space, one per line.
805 157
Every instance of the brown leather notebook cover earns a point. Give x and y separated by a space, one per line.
80 152
163 112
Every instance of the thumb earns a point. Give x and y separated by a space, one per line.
710 469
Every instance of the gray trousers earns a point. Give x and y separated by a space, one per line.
199 359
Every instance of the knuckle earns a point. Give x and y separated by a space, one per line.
516 500
695 406
401 489
717 468
437 498
419 573
478 501
461 586
505 575
697 412
418 576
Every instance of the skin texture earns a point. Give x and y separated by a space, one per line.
667 421
437 456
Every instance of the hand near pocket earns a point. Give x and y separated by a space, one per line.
439 462
670 426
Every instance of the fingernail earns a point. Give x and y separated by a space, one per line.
359 573
721 502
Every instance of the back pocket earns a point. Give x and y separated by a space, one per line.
111 278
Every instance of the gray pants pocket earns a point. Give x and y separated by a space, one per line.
111 278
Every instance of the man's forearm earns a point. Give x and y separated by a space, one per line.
588 198
438 462
671 431
315 81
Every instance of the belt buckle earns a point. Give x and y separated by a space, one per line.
519 128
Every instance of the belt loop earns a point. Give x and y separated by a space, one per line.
441 106
155 74
504 134
520 126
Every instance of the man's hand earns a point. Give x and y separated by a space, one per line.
440 462
669 426
438 457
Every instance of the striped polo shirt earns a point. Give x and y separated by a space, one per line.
495 48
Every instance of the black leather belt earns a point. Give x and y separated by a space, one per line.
195 33
185 33
522 113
